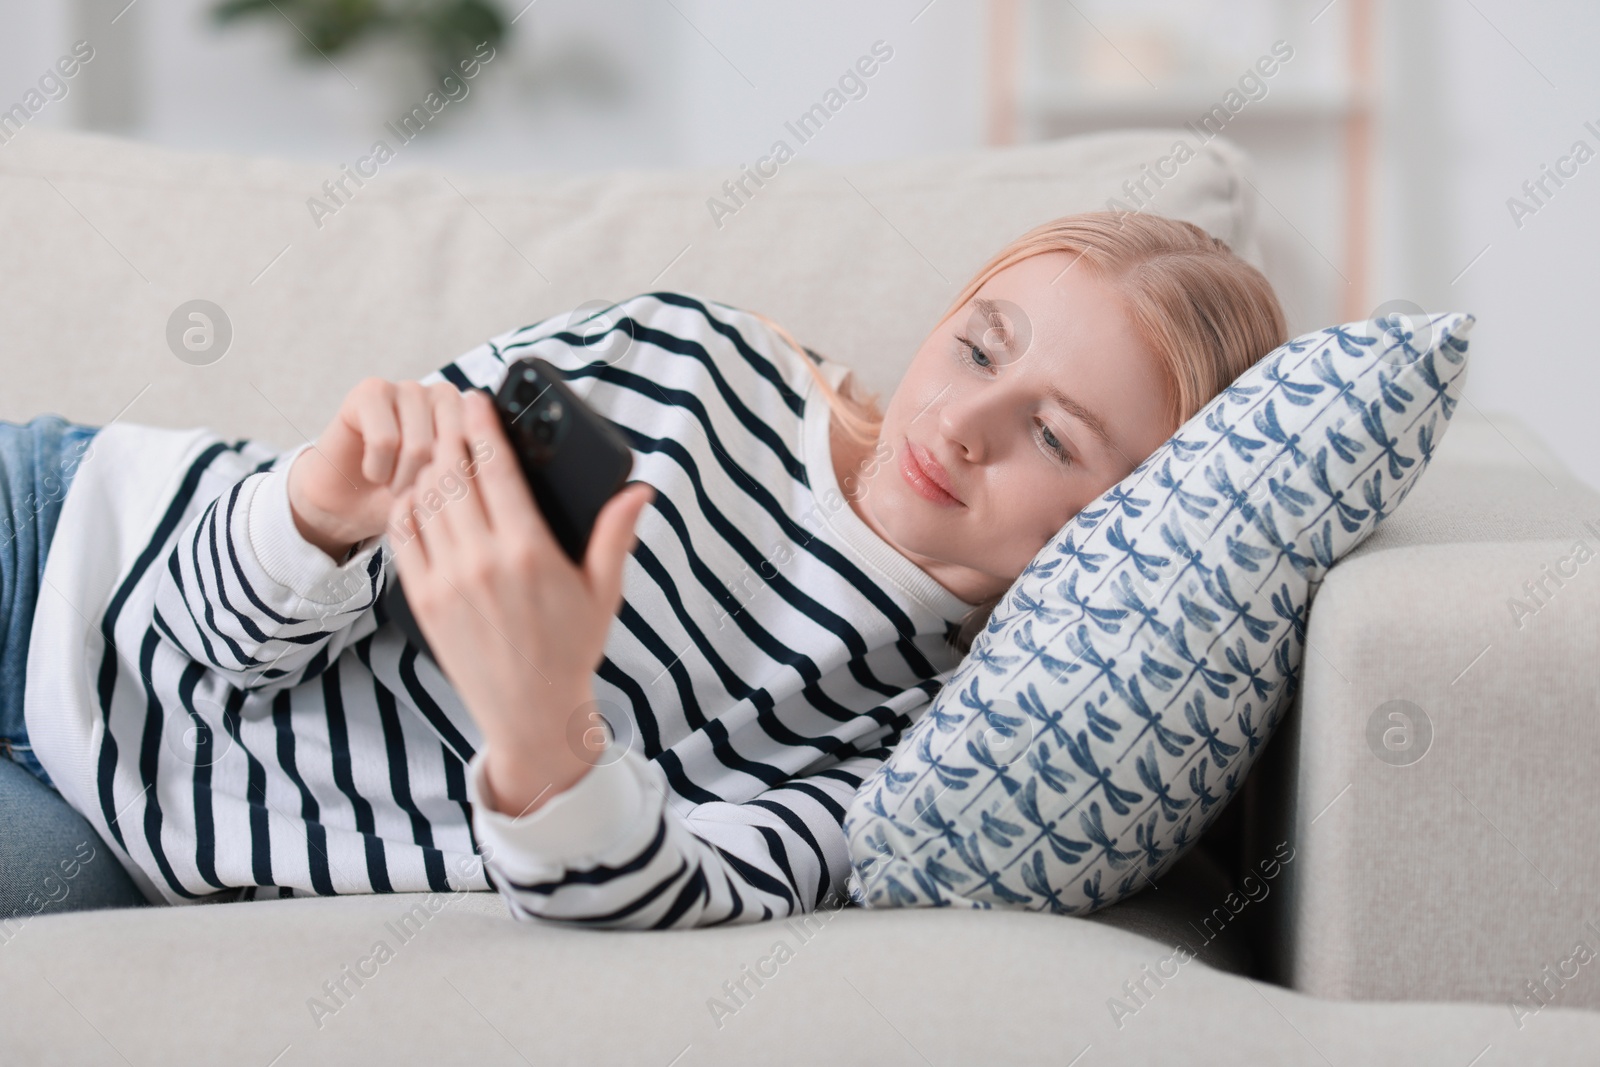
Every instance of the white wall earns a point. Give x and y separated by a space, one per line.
1482 94
577 86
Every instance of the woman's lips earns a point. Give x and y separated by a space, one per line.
924 474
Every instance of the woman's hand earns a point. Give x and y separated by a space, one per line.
342 491
517 627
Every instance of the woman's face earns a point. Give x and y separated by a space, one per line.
1018 410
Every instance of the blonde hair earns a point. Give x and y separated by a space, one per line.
1206 314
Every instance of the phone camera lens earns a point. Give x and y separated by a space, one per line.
546 421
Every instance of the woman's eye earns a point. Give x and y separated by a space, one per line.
974 354
1053 443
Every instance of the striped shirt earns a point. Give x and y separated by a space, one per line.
238 718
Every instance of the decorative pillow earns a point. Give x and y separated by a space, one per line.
1126 683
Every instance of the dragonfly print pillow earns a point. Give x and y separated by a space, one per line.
1126 683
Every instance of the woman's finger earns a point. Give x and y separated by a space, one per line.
410 554
414 406
373 419
449 488
507 501
615 533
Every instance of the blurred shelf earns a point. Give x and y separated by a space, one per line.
1063 104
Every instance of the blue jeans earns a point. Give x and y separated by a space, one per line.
51 858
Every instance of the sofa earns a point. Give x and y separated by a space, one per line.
1432 786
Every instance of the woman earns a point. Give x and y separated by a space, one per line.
665 735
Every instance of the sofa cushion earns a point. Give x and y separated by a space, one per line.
1131 675
302 982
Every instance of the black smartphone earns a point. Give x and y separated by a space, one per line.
574 461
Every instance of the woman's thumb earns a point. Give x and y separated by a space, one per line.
614 536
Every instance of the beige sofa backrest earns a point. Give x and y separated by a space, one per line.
105 238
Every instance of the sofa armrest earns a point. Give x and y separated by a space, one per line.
1437 778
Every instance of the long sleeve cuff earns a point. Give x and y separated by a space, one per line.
288 558
577 827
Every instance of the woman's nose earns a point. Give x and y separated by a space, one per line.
967 420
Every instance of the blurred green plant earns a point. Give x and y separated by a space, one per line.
445 31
